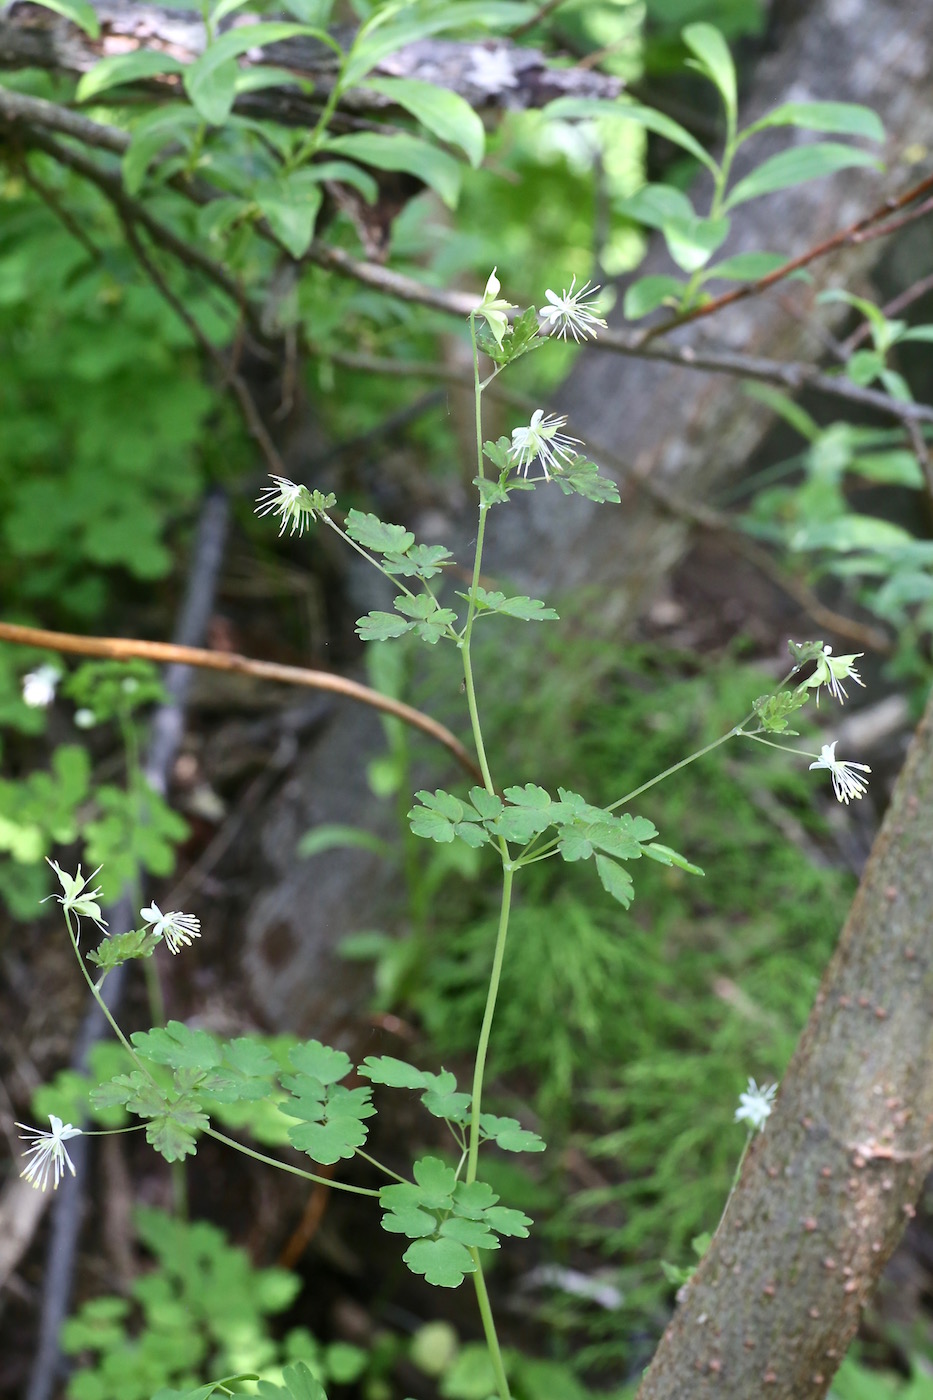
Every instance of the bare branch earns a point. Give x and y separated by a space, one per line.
126 649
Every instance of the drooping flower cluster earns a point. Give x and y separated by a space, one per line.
846 782
177 929
568 312
831 671
77 899
542 440
755 1105
39 686
48 1152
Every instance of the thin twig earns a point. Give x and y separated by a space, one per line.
64 216
894 307
230 377
862 231
125 649
111 186
714 521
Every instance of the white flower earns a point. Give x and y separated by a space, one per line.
831 671
39 687
541 439
48 1152
291 502
177 929
495 309
846 782
85 719
567 312
755 1105
77 899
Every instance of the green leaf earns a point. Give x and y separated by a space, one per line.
473 1199
397 1074
135 1092
488 804
332 1124
787 408
381 627
410 1221
210 81
442 1262
173 1133
568 108
615 880
582 478
178 1046
377 38
445 114
427 163
506 1221
420 561
431 622
472 1233
373 533
125 68
529 609
796 167
896 467
111 952
443 1101
290 207
692 242
78 11
745 267
151 134
509 1134
648 293
774 711
664 855
655 205
436 1182
714 60
321 1062
840 118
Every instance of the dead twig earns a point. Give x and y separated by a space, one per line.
167 653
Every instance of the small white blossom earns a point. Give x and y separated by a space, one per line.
77 898
288 500
177 929
495 309
85 719
755 1105
568 312
542 439
48 1152
831 671
39 687
846 782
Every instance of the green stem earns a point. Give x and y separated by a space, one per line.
489 1329
287 1167
374 1162
482 1047
96 994
140 792
474 584
636 792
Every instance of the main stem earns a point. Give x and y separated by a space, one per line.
482 1048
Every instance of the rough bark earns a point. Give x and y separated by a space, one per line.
830 1184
